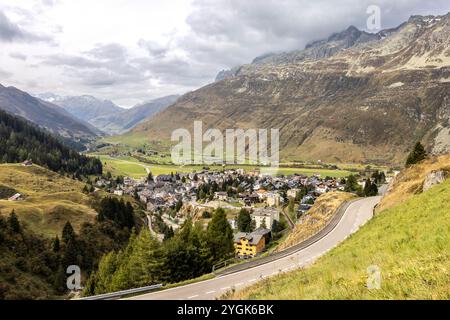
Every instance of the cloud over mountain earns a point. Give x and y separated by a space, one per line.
134 51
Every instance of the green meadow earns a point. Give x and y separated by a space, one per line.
129 166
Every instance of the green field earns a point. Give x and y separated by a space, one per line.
409 243
129 166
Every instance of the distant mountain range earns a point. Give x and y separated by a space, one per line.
83 107
47 115
353 97
117 123
104 114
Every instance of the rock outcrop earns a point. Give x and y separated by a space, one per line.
434 178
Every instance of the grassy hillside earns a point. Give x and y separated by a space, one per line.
317 218
410 181
50 200
408 242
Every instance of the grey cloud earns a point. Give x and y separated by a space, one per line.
232 32
154 49
110 51
104 65
8 30
70 61
227 33
221 34
11 32
5 74
49 3
18 56
110 65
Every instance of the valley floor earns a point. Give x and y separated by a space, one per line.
129 166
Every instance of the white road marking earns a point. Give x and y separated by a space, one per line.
227 288
239 284
210 292
252 280
192 297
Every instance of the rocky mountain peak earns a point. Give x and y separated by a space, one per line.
351 33
353 97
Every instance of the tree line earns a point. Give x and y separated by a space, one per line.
188 254
34 267
21 140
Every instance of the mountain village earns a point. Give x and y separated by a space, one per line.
170 199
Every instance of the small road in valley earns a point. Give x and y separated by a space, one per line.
353 216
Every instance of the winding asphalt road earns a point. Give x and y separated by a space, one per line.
356 215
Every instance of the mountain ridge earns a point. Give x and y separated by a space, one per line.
368 103
84 107
47 115
104 114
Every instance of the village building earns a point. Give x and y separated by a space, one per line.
273 199
250 245
165 178
27 163
304 208
118 192
321 188
221 196
15 197
292 193
265 217
262 194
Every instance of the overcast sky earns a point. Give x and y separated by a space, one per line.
130 51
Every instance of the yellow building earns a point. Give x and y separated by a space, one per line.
249 245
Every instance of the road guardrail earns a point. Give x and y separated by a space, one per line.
120 294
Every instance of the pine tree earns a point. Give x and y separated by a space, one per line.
370 189
141 266
351 184
71 254
60 282
14 223
68 233
367 188
417 155
244 221
101 280
374 190
56 246
220 237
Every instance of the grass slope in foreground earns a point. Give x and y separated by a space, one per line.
409 242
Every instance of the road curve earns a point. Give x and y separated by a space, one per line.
356 215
